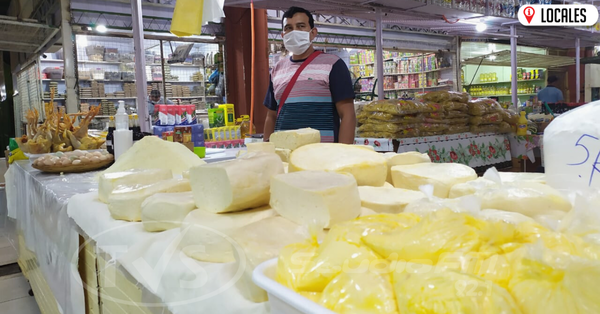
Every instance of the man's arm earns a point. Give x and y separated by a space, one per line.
345 109
269 124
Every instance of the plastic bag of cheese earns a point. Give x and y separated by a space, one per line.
547 282
467 204
408 158
367 167
235 185
320 197
442 176
152 152
206 236
261 241
584 219
108 182
470 188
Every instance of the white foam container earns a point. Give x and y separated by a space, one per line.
281 299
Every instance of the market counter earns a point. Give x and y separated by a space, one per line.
49 255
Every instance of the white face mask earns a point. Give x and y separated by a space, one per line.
297 42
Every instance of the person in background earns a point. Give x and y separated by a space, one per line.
323 96
156 99
550 94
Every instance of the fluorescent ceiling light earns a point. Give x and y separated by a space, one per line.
481 27
101 28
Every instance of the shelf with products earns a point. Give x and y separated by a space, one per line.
505 82
416 88
423 72
108 98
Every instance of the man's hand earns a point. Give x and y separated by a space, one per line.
345 109
269 124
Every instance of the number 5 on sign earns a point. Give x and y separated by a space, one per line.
582 145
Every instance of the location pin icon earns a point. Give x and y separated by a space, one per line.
529 12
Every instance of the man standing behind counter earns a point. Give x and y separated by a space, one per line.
321 98
155 99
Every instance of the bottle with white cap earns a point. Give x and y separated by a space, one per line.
122 136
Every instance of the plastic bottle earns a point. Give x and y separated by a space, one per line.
522 125
123 136
245 127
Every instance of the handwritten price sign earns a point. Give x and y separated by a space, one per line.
592 155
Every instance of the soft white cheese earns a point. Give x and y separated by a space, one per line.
205 236
152 152
442 176
408 158
387 200
165 211
266 147
109 181
284 154
367 167
320 197
293 139
125 202
235 185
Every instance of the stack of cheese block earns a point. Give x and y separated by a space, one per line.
248 209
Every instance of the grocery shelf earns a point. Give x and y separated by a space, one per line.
430 87
504 82
191 97
423 72
113 81
101 62
109 98
509 95
53 80
51 60
185 82
48 99
178 65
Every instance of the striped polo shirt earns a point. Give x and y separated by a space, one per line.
311 103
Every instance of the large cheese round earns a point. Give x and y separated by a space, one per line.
442 176
387 200
367 167
323 197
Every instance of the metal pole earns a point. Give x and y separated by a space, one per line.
379 53
513 65
72 101
140 65
577 69
162 68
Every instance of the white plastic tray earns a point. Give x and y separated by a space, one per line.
282 299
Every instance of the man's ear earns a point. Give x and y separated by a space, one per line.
314 32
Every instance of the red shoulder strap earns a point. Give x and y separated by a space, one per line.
292 82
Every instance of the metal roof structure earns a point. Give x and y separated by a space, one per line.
427 15
26 36
524 59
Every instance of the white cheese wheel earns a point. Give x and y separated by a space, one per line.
284 154
152 152
259 242
205 236
387 200
367 167
408 158
125 202
266 147
235 185
109 181
442 176
293 139
307 197
165 211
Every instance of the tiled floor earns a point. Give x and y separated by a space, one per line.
14 296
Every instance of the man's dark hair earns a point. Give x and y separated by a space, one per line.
552 79
293 10
155 93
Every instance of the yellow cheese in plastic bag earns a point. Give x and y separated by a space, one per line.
554 283
332 259
293 261
421 290
360 293
440 232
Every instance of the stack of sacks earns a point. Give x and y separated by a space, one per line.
488 117
444 262
454 114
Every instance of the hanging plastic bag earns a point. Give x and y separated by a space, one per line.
190 15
